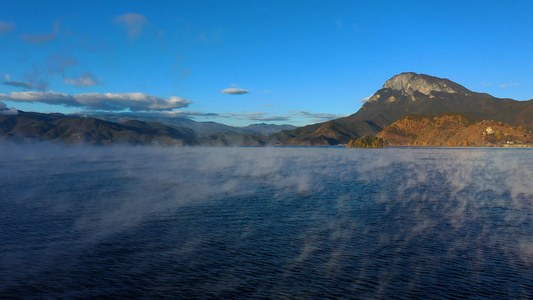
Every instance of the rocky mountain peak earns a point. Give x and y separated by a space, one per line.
410 82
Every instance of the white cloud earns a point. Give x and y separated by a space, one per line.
318 117
5 111
9 112
268 105
365 99
6 27
7 77
134 23
43 97
507 85
234 91
97 101
87 79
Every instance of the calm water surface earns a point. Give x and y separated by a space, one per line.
310 223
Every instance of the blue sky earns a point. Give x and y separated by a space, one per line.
295 62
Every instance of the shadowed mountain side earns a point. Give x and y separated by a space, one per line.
80 130
234 139
411 93
74 130
327 133
452 129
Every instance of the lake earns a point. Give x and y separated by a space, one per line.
278 223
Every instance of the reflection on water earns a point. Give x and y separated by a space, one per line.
265 222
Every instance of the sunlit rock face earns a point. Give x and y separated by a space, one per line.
408 83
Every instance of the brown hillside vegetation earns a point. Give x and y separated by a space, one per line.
453 130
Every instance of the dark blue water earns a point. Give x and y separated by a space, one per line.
396 223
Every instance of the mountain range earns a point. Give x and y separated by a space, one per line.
32 126
406 94
200 128
76 129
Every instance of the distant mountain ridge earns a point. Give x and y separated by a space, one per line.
406 94
201 128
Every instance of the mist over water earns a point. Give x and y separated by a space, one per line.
325 222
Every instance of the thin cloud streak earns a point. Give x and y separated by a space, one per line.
134 23
158 114
87 79
38 39
263 116
255 116
37 78
317 116
58 64
6 27
19 84
508 85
